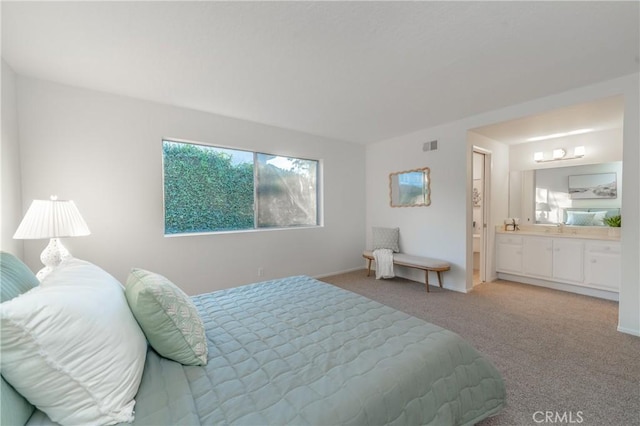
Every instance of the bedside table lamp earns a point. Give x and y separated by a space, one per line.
52 219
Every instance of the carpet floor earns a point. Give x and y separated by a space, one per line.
559 353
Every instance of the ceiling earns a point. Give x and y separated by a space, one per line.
601 114
354 71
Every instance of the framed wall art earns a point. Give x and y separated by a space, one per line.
599 185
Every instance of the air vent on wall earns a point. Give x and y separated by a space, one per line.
430 146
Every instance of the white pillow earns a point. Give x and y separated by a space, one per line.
598 218
386 238
72 347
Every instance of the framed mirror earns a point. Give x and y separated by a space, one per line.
544 196
410 188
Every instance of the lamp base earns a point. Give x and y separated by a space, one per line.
52 255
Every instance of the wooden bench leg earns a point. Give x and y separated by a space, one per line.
425 268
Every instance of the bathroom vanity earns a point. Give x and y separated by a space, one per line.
576 259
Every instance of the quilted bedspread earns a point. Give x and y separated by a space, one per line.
297 351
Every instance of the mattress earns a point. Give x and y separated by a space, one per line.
299 351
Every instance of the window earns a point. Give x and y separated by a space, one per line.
212 189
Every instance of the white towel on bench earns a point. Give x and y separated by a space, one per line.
384 263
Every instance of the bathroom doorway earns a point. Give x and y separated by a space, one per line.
480 201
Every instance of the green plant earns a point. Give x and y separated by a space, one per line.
205 190
614 221
209 189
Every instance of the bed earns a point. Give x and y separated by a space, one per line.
299 351
588 216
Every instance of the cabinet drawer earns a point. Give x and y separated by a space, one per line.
509 239
613 248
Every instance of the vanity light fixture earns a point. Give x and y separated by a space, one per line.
578 151
560 154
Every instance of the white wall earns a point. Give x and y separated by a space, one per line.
105 152
629 316
441 230
10 185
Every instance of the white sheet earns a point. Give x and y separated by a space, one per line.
384 263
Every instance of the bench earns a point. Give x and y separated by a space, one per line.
418 262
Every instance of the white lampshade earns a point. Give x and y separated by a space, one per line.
51 219
543 207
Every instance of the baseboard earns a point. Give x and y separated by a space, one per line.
578 289
629 331
341 272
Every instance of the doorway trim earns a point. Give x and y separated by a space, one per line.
486 256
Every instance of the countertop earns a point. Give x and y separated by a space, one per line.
565 231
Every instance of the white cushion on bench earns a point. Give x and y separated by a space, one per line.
420 261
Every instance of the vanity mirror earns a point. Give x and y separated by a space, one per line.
410 188
543 196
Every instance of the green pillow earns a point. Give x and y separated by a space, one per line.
15 278
167 317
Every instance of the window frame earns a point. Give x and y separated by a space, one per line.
319 192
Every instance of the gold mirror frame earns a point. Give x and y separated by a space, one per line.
410 188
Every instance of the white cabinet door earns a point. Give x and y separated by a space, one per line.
602 266
537 259
509 254
568 260
544 259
